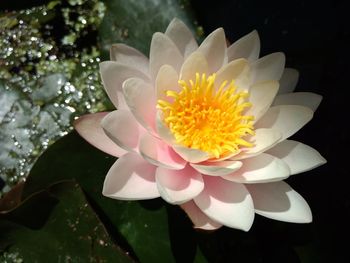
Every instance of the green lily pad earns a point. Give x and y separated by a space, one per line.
63 228
151 231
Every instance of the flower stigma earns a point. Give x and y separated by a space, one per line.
210 119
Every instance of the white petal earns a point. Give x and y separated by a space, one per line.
122 128
299 157
131 178
88 126
130 57
191 155
262 95
179 186
237 70
280 202
214 49
269 67
195 63
163 51
217 168
163 131
113 75
263 139
167 79
247 47
159 153
141 101
179 33
199 219
288 80
260 169
287 119
307 99
226 202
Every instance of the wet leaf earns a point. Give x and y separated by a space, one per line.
134 22
69 230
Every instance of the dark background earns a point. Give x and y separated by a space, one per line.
315 37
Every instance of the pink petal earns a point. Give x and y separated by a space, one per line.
288 80
163 51
179 186
191 155
307 99
269 67
130 57
88 126
287 119
215 50
226 202
217 168
280 202
260 169
159 153
140 98
131 178
247 47
199 219
299 157
113 75
122 128
182 37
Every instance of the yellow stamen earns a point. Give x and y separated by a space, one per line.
201 117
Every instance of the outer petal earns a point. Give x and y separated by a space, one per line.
113 75
163 51
288 80
191 155
247 47
217 168
182 37
159 153
262 95
287 119
195 63
280 202
179 186
263 139
130 57
131 178
140 99
199 219
214 49
299 157
307 99
226 202
88 126
167 79
122 128
260 169
237 70
269 67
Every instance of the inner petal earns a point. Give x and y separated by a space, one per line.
208 119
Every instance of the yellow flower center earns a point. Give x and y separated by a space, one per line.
201 117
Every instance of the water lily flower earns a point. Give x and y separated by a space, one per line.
205 127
